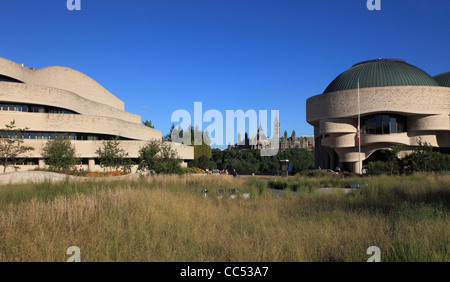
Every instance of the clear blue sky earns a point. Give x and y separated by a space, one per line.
160 56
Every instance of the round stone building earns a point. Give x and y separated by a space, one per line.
399 104
60 101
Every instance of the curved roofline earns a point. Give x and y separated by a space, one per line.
380 59
64 78
380 73
443 79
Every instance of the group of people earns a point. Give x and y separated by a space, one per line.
224 171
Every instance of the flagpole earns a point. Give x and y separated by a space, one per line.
359 133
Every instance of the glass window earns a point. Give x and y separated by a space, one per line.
378 124
393 125
383 124
386 124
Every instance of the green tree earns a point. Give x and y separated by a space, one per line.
393 156
422 156
203 162
159 157
111 156
202 150
148 123
168 136
59 154
11 144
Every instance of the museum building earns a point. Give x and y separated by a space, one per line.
59 101
397 104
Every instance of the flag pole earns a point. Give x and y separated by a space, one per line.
359 134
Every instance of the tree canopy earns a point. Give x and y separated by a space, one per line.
11 148
59 154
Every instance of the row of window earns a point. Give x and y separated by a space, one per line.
82 161
34 109
53 135
383 124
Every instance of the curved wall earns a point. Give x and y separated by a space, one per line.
62 78
394 99
27 93
99 112
334 116
81 124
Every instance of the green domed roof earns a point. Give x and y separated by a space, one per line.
379 73
443 79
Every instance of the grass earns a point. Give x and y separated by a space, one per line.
166 218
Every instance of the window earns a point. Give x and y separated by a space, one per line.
34 109
383 124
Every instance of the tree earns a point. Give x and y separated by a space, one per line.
421 156
203 162
11 147
202 150
159 157
393 155
148 123
113 157
168 136
59 154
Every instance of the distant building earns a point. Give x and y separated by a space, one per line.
261 141
306 142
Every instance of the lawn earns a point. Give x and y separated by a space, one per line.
167 218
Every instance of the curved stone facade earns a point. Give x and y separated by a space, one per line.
334 115
90 111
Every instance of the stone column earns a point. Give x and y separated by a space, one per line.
41 163
91 164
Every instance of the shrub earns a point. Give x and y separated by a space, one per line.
378 167
159 157
59 154
112 156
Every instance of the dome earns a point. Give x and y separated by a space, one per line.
379 73
443 79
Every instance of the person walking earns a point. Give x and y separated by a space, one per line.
234 173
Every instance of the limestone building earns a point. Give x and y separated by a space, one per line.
261 141
305 142
399 104
59 101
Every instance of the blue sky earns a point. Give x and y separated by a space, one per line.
161 56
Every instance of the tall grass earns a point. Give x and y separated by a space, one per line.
166 218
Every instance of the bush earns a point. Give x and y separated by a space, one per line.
59 154
378 167
159 157
112 156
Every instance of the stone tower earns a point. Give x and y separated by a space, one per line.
276 128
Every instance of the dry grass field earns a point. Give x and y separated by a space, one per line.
166 218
